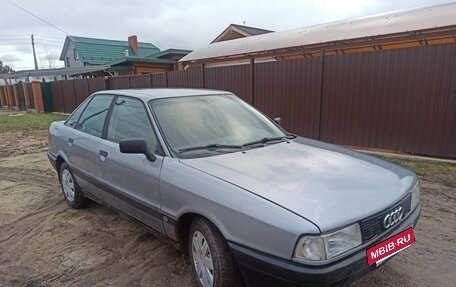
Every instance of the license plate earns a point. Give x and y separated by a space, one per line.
378 253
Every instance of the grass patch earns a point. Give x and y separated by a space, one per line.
438 173
423 165
28 122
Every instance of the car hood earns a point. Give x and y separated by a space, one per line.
326 184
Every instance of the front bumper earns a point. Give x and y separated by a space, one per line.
259 269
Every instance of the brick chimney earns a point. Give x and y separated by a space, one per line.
133 42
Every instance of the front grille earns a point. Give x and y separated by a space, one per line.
373 226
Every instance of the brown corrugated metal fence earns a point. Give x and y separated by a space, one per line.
119 83
397 99
159 80
402 99
96 84
69 98
140 82
186 79
57 96
81 90
236 79
291 90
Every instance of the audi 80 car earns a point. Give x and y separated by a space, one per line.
251 204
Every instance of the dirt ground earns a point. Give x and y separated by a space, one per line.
45 243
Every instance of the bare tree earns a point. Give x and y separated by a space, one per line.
47 61
5 69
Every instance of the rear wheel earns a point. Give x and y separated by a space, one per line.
70 188
213 264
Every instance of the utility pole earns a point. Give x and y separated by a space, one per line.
34 54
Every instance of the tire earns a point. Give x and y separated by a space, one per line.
71 191
225 271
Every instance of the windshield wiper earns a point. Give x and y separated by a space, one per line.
269 139
215 146
209 147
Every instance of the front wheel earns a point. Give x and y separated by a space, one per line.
213 264
70 188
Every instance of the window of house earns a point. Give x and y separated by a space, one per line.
68 62
93 117
129 119
75 53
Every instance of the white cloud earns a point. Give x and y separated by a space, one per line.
8 58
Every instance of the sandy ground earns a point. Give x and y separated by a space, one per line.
45 243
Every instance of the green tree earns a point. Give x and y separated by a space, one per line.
5 69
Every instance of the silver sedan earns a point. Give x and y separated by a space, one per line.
248 202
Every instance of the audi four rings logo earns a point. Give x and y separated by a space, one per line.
393 217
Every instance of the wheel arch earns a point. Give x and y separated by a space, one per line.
59 160
183 226
58 163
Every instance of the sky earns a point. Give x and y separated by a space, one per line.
167 24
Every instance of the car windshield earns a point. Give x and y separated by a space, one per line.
197 126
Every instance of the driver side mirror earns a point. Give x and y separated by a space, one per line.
278 121
136 146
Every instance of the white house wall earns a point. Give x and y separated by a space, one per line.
70 55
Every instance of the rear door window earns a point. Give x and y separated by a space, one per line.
92 119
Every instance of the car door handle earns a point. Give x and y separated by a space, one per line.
103 153
70 140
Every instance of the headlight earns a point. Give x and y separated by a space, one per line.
415 198
310 248
329 245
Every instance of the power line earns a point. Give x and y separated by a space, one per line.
50 41
38 43
12 35
50 37
50 45
36 16
12 44
28 35
3 40
12 39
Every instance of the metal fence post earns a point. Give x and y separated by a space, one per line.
322 56
252 75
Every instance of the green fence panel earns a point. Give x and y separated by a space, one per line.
47 97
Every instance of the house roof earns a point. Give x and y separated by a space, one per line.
138 59
251 30
102 51
243 30
168 52
360 29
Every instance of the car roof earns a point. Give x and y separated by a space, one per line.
150 94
